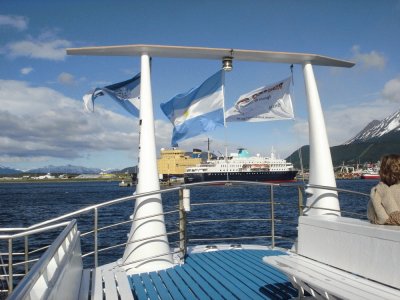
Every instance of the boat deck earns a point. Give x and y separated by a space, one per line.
224 274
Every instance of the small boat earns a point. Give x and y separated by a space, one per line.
124 183
370 173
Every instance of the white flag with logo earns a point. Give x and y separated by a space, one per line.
268 103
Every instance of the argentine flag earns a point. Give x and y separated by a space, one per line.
126 94
199 110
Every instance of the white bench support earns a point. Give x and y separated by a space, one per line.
324 282
343 258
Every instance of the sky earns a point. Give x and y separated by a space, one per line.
42 119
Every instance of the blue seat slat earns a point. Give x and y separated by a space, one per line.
162 290
221 290
138 287
276 281
172 288
235 276
257 263
264 270
263 276
183 287
210 290
226 274
150 288
226 283
240 271
229 256
193 285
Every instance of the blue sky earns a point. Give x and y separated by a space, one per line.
42 120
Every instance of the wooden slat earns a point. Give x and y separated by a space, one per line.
172 288
110 287
183 287
273 281
85 285
210 290
334 281
193 285
236 277
138 287
150 288
240 272
124 289
161 289
222 290
226 274
267 272
226 283
97 285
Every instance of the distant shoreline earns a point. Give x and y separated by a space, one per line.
59 180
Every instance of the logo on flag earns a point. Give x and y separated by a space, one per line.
272 102
197 111
126 94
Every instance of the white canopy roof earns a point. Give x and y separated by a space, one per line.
210 53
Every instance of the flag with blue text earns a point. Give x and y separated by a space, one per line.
267 103
126 94
199 110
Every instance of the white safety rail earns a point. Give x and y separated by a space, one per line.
57 272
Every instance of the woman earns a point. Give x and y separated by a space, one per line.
384 204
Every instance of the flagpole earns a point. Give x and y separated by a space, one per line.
147 248
321 167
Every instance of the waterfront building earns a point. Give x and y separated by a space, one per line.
173 162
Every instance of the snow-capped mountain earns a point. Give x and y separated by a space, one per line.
6 170
377 129
70 169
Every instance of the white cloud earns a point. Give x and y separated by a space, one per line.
18 22
341 123
391 90
372 59
66 78
46 46
38 122
344 122
26 71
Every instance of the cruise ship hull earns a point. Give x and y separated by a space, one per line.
265 176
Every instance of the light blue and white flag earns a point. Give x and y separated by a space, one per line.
199 110
126 94
267 103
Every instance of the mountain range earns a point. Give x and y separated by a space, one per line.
68 169
369 145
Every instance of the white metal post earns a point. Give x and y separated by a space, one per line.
147 248
321 168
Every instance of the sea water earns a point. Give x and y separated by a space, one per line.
25 204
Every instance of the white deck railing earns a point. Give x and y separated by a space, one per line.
22 258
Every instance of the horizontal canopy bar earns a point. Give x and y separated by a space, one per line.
211 53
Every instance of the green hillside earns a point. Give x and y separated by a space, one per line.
353 153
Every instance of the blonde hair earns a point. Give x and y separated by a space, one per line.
390 169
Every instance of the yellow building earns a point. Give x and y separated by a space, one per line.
173 162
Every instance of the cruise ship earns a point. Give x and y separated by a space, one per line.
242 166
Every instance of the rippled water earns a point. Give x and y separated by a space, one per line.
24 204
